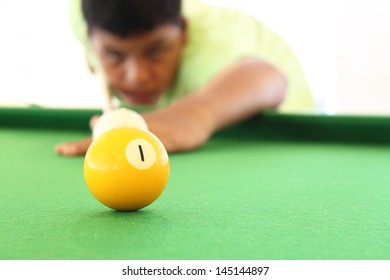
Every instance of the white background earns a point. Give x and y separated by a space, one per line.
344 47
278 270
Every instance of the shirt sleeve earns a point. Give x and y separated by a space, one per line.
219 37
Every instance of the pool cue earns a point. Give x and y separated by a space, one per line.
106 91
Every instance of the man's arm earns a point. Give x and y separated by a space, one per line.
235 94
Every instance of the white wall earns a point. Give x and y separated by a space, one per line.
40 61
343 46
364 60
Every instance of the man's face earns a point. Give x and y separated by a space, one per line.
142 67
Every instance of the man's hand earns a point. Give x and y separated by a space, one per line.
79 147
182 126
75 148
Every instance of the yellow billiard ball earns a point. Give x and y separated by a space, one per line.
126 168
117 118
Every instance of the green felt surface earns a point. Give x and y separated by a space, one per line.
237 198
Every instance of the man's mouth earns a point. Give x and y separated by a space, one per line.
140 98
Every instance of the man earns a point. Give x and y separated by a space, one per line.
194 69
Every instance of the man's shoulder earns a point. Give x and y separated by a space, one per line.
216 18
226 31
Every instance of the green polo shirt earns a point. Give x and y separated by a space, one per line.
218 37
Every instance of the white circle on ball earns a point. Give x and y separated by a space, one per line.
140 154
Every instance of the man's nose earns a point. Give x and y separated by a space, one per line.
137 74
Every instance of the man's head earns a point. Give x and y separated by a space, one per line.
138 43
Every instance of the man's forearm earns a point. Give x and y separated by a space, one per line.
235 94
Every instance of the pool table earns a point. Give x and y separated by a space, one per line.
291 187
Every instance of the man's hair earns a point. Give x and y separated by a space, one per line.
125 18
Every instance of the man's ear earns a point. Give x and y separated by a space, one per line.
184 27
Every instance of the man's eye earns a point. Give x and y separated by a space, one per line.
114 56
154 52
